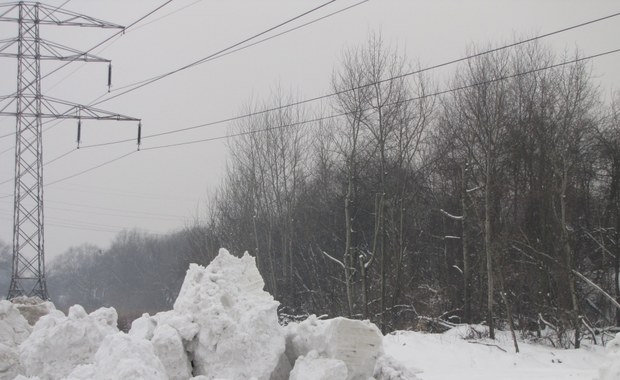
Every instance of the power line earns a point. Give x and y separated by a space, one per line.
87 209
45 164
342 114
438 93
89 169
168 14
146 82
120 32
220 54
332 116
124 32
329 95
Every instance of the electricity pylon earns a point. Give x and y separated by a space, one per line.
28 271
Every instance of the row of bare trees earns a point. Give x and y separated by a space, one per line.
495 202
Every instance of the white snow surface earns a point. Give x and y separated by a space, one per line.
14 329
314 367
122 356
224 326
59 343
449 356
611 369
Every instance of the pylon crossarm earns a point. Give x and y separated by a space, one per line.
5 44
55 51
7 8
51 109
49 15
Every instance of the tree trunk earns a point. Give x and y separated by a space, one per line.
508 311
347 248
488 248
465 243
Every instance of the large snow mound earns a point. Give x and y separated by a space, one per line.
58 343
223 326
239 336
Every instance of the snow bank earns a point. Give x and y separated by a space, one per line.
239 336
58 343
223 326
611 370
122 356
358 344
14 329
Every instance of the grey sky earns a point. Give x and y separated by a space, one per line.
162 190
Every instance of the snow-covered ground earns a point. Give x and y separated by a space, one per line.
224 326
449 356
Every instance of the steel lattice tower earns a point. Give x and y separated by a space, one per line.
28 265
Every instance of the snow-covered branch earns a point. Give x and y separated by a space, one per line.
334 259
455 217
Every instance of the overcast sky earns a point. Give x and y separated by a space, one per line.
162 190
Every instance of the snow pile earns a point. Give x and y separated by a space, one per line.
14 329
239 334
611 369
223 326
58 343
356 344
170 335
226 326
122 356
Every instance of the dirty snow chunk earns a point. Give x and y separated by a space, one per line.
58 343
14 328
168 347
388 368
122 356
239 335
314 367
611 370
33 308
22 377
357 343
